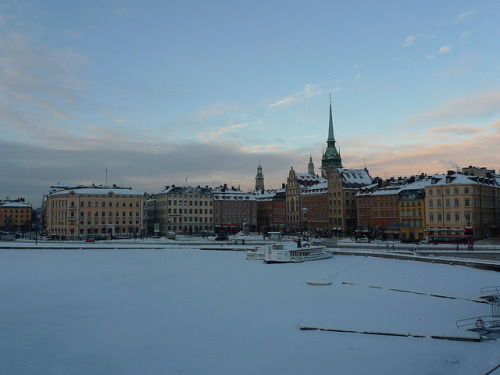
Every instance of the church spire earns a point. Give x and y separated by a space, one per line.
310 167
331 158
331 138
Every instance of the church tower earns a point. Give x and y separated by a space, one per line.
310 166
259 179
331 158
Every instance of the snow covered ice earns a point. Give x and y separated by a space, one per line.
188 311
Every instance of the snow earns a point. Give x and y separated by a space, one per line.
188 311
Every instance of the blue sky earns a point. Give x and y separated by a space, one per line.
157 91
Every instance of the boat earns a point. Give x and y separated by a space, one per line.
288 252
319 283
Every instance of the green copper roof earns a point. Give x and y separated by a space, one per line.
331 158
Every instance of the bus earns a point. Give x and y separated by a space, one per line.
450 239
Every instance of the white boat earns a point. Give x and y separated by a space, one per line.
288 252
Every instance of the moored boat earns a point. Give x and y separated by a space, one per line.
288 252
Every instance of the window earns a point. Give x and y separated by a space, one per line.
439 217
457 202
457 216
439 203
431 203
467 202
466 190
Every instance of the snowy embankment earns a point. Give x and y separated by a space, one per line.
187 311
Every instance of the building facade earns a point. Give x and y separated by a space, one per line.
184 210
343 186
84 212
15 215
296 186
234 210
315 204
412 210
460 204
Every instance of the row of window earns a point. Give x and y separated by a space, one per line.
62 215
190 219
413 203
447 191
456 203
96 222
448 215
173 211
412 223
103 231
190 203
413 212
63 204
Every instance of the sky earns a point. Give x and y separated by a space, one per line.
200 93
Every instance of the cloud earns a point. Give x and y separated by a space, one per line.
495 125
445 49
39 85
387 160
457 129
485 104
210 112
462 16
284 102
309 91
410 39
213 135
29 170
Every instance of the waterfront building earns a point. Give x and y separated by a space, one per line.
412 209
75 212
297 184
15 215
461 204
315 208
343 186
184 210
234 210
279 210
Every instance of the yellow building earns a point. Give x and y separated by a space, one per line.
460 204
81 212
15 216
412 211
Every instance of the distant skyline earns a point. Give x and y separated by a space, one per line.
159 92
